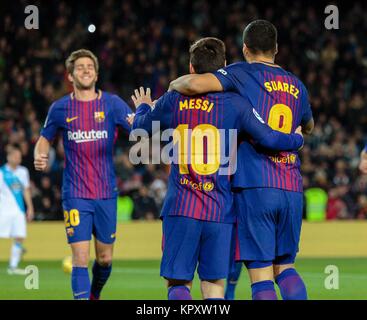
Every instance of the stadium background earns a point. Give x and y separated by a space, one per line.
146 43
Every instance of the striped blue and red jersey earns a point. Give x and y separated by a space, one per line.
204 131
282 101
89 130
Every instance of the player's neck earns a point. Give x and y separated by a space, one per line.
85 95
12 168
261 59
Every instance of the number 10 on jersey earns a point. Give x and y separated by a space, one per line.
199 147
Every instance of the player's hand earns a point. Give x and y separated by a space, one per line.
141 96
30 214
299 131
130 118
41 162
363 166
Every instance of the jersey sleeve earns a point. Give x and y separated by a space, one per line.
51 125
252 123
162 112
24 178
121 111
229 76
306 107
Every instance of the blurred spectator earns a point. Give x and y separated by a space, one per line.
362 206
336 207
144 205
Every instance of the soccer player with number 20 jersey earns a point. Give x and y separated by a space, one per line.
87 120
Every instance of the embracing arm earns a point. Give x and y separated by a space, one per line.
193 84
275 140
255 126
308 127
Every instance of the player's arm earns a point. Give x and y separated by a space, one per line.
27 195
41 151
193 84
43 144
363 161
147 112
121 112
308 127
266 136
28 200
307 121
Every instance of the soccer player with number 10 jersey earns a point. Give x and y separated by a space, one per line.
197 214
267 185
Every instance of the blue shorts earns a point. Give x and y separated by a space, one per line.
84 217
233 262
269 225
188 242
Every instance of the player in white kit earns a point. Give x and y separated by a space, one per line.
16 206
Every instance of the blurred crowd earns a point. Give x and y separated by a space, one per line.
146 43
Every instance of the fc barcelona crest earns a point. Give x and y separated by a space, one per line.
99 116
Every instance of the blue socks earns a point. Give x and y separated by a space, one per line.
100 277
263 290
80 283
179 293
232 281
291 285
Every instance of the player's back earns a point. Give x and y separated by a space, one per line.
281 99
199 183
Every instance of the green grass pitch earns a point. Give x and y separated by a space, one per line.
140 280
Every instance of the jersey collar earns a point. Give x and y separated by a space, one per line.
270 64
99 96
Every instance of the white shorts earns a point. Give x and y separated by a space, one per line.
13 225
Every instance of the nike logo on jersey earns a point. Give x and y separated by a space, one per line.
71 119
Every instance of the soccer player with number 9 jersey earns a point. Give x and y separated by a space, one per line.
197 214
267 185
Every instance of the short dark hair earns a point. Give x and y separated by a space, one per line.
10 148
81 53
208 55
260 36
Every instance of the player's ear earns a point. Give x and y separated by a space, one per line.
70 78
192 70
276 49
244 50
225 63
